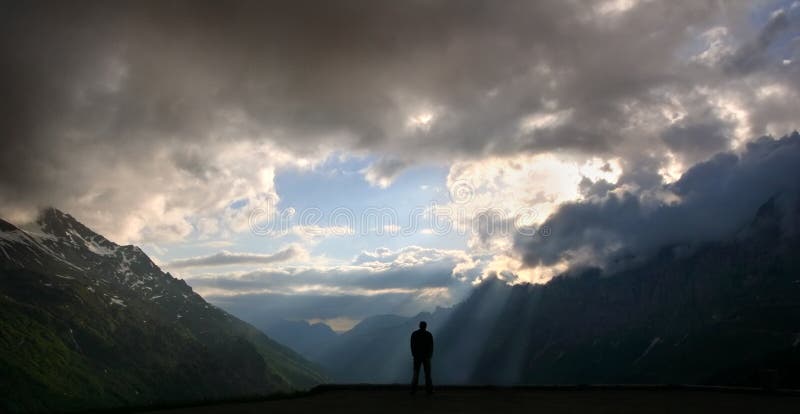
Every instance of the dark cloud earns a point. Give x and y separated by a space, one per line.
382 172
753 55
599 188
711 201
128 111
93 86
694 142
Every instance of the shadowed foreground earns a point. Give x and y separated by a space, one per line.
395 399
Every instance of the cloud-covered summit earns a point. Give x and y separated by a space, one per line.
711 201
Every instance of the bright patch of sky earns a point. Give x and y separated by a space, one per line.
335 194
392 217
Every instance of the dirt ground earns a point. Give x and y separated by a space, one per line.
365 399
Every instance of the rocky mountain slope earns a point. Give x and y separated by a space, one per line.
721 313
86 323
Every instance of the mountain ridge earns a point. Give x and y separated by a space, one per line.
715 315
79 309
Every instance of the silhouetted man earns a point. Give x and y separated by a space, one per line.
422 351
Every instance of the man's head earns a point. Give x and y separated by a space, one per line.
423 325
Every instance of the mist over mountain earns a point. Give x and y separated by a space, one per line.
86 323
721 313
716 314
709 202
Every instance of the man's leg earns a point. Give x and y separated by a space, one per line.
415 378
428 379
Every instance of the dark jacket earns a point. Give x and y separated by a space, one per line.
421 344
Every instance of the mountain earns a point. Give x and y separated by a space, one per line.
306 338
86 323
723 313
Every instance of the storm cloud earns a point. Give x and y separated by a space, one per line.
168 123
156 97
711 201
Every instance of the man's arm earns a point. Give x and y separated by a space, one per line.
430 338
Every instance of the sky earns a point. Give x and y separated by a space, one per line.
335 160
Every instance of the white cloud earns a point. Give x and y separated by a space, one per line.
718 46
311 232
524 187
383 172
372 272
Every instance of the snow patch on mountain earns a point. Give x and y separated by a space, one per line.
117 301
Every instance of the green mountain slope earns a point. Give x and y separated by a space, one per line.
85 323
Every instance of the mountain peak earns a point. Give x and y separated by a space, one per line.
6 226
113 310
60 224
55 219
